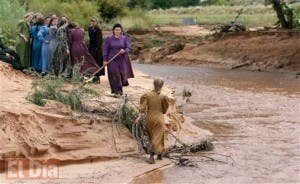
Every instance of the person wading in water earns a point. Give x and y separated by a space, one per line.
155 105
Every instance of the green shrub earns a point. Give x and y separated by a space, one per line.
145 4
46 7
11 12
185 3
51 88
73 98
129 115
110 9
156 42
79 11
164 4
89 91
37 98
215 2
297 17
136 19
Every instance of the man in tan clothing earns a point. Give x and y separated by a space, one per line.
155 106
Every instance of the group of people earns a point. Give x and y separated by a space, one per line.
54 45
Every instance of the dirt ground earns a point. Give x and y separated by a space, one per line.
262 50
190 30
56 132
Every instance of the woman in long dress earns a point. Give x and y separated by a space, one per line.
53 41
155 105
23 43
37 44
61 61
79 51
95 45
43 35
119 70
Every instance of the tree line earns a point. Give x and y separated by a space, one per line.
109 9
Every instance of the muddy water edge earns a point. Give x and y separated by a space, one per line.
254 117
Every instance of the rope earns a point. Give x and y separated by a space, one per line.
117 118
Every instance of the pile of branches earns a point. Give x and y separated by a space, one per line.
183 155
233 27
190 155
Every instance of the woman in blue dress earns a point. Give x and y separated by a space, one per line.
43 35
37 45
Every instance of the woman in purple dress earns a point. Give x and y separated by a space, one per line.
79 51
119 70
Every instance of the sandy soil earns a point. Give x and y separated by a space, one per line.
191 30
270 50
56 132
47 132
264 50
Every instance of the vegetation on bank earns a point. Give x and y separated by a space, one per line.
53 88
211 15
137 14
12 12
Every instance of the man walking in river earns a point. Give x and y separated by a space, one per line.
155 106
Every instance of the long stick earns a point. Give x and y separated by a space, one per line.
102 67
176 138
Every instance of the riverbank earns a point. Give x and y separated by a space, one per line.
56 132
229 103
256 49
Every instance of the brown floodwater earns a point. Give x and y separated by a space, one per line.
254 116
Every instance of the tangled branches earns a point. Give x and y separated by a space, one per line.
184 155
183 158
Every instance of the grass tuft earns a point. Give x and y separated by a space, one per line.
51 88
129 115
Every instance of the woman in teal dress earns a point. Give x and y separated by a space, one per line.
43 35
37 45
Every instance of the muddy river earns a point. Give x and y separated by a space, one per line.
254 117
